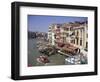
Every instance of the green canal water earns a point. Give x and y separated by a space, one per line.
33 53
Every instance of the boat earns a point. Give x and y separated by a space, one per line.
43 59
68 48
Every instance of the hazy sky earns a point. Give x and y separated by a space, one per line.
41 23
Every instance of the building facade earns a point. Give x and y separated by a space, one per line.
74 33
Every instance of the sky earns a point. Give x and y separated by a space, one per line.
41 23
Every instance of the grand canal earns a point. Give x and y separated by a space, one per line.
54 59
33 53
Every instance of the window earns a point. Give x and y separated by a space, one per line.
67 34
86 44
80 42
77 40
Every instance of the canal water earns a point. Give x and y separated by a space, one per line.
33 53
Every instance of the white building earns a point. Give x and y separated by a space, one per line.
75 33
